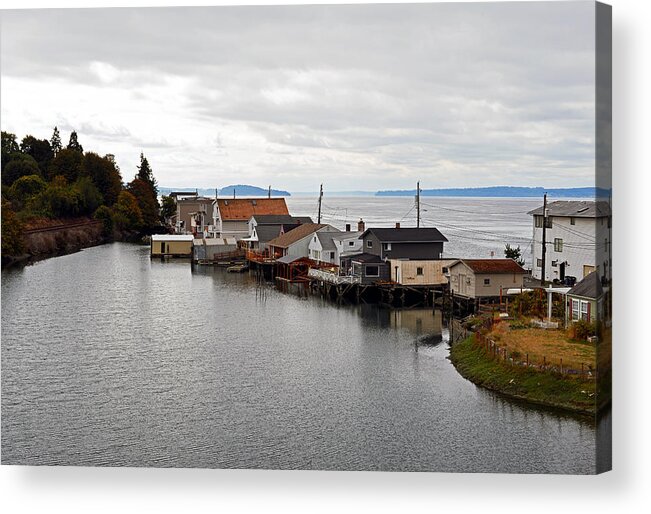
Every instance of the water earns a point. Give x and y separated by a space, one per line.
475 227
112 359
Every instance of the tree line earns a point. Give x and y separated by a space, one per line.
42 179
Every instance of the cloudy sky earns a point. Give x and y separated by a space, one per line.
357 97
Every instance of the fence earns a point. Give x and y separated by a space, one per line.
333 278
502 354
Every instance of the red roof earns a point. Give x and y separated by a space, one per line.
482 266
239 209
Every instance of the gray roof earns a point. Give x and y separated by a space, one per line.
267 232
279 219
326 241
575 209
288 259
406 235
366 257
346 235
589 287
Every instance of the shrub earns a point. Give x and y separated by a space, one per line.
26 187
104 214
582 329
12 240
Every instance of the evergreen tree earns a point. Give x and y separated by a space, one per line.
74 143
55 142
146 175
514 253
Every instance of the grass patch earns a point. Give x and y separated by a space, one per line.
541 387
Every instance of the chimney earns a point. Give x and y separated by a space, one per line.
361 226
397 224
347 227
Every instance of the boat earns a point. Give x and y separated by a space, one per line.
238 268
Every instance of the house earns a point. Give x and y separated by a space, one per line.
585 300
484 278
264 228
367 268
431 272
403 243
193 215
296 242
331 247
578 240
171 245
231 216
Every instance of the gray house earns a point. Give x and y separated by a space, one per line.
403 243
367 267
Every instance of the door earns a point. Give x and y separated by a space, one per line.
162 247
462 284
562 265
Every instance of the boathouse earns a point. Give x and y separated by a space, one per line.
171 245
484 278
367 268
432 272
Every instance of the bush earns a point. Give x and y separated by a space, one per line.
58 200
89 196
104 214
582 329
20 165
26 187
12 239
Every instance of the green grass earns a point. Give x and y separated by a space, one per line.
540 387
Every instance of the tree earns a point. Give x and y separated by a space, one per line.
9 146
20 165
39 149
147 202
12 231
58 200
73 144
104 174
126 212
104 214
168 207
513 253
55 142
145 174
26 187
67 163
89 196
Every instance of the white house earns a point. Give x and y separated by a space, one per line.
578 240
231 215
296 242
331 247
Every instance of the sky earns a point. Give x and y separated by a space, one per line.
357 97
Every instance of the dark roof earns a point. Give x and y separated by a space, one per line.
484 266
406 235
279 219
244 208
589 287
575 209
325 238
288 259
267 232
365 257
296 234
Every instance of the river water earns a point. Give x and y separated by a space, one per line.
112 359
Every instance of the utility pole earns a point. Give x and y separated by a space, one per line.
544 240
320 197
418 204
269 194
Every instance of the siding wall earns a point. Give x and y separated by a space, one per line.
403 250
171 248
464 282
407 271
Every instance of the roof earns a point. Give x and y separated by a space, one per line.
406 235
280 219
366 257
589 287
172 237
346 235
296 234
267 232
485 266
242 209
288 259
575 209
325 238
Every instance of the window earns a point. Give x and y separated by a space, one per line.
419 271
386 246
332 255
538 220
558 244
584 310
487 281
351 243
572 221
575 310
369 244
372 271
445 270
539 263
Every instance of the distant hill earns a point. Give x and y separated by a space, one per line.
505 191
240 190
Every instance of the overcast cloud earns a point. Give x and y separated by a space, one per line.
357 97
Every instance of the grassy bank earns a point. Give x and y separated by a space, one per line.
539 387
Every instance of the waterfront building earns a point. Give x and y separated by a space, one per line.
578 240
484 278
230 217
296 242
328 247
403 243
367 268
264 228
171 245
409 272
585 301
193 215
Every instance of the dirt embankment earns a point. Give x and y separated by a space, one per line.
53 239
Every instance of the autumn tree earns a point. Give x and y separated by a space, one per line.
105 175
73 144
147 202
126 212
